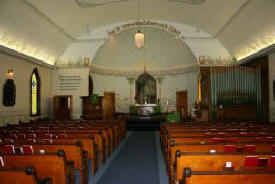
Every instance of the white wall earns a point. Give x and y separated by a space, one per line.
271 79
23 70
82 90
170 85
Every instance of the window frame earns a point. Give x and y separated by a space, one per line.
38 99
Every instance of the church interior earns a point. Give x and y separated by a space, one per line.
137 91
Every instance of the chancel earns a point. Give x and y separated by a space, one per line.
137 91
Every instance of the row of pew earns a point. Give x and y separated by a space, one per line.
214 153
54 152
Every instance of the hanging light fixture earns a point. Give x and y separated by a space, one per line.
139 37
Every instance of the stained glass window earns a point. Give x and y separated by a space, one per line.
35 93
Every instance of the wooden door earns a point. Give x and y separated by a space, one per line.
181 103
62 107
109 105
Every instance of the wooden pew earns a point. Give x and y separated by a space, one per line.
87 143
218 147
216 162
217 141
106 135
54 165
101 137
228 138
116 130
212 135
74 153
207 140
228 177
21 176
98 138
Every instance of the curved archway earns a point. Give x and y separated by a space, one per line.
146 89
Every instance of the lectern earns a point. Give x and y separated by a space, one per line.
90 110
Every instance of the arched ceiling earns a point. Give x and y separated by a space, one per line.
52 26
161 50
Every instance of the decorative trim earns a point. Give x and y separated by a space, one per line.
86 4
175 70
208 61
150 23
90 4
178 34
13 53
189 1
259 46
91 39
263 52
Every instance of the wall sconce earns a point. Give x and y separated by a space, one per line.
10 74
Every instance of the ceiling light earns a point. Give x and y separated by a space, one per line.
139 39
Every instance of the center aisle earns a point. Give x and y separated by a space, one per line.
137 162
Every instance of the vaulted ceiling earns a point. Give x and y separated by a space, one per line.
52 25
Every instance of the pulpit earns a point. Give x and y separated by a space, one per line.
92 110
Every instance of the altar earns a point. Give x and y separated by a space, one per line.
145 109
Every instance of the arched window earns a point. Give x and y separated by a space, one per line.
146 91
91 85
35 93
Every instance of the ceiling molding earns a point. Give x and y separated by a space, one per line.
86 4
91 39
104 39
178 70
261 53
196 2
92 4
13 53
230 20
61 30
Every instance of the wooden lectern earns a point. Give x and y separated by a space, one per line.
92 111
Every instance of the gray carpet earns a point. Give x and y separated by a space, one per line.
137 161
